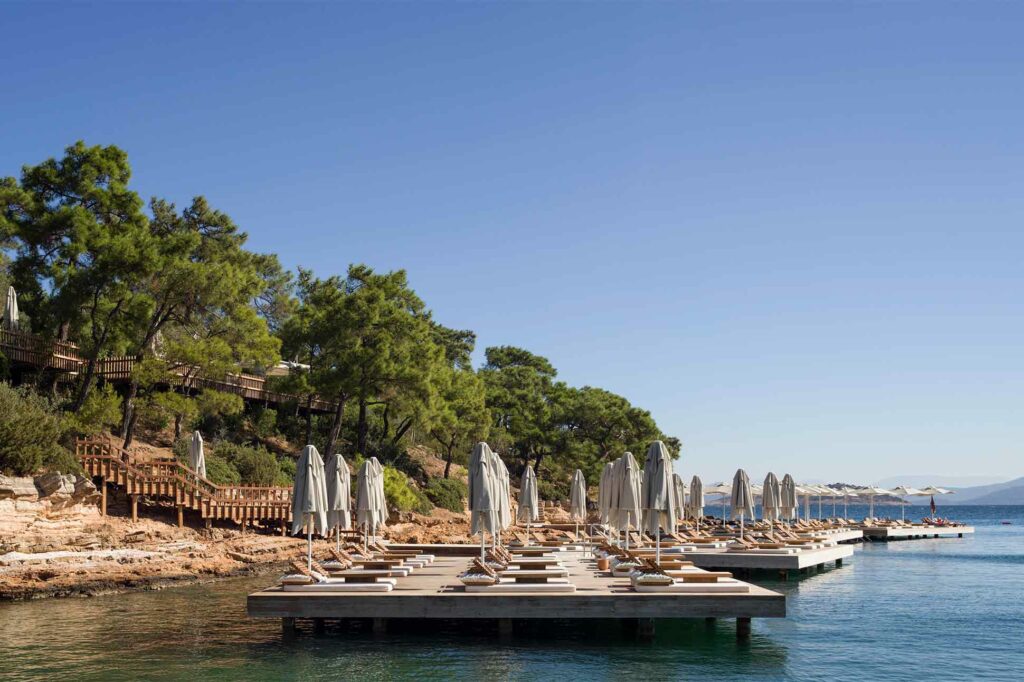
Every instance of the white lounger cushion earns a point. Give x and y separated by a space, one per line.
522 587
695 587
340 586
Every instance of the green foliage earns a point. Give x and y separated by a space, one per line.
161 408
255 466
30 432
447 493
462 416
402 495
263 422
218 469
100 412
553 489
5 368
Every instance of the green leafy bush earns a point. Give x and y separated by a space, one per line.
263 422
100 412
447 493
255 466
552 490
402 495
30 431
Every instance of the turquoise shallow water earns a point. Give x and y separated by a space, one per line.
924 609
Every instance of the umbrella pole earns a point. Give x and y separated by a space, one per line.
741 525
309 544
481 545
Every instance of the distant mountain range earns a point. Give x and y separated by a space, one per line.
920 481
1009 492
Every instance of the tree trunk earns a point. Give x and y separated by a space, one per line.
448 463
128 416
83 392
362 429
309 419
177 426
536 463
339 413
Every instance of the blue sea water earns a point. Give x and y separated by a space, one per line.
936 609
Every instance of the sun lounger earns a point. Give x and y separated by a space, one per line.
482 578
652 577
304 580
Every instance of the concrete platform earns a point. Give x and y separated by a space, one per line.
916 533
845 535
721 559
435 592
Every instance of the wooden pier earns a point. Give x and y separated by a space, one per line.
434 592
884 533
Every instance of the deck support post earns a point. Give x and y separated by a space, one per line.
959 535
103 495
135 506
742 628
380 626
839 562
284 528
181 516
318 626
783 574
505 628
288 627
208 522
645 629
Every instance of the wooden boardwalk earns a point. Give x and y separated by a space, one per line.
64 357
168 481
434 592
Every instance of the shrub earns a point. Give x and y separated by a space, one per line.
263 422
447 493
100 412
552 490
255 466
162 407
30 431
402 495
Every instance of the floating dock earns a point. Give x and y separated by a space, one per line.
765 561
435 592
915 532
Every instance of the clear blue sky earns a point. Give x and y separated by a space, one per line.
793 232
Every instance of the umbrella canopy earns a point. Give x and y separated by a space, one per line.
604 492
679 491
196 458
483 487
626 510
339 493
371 508
771 498
695 503
870 492
742 498
309 494
10 320
578 497
787 497
657 494
529 507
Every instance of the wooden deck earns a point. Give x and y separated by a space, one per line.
914 533
435 592
754 561
64 356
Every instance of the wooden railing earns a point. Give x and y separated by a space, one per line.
169 478
64 356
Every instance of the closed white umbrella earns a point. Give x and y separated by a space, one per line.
10 320
578 500
659 507
787 497
196 457
742 498
339 496
309 498
627 509
528 505
483 507
771 498
504 492
604 492
695 503
371 508
679 490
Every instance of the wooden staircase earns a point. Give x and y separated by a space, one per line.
168 480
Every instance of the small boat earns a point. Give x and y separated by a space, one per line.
1007 523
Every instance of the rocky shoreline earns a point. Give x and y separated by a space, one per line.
55 543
